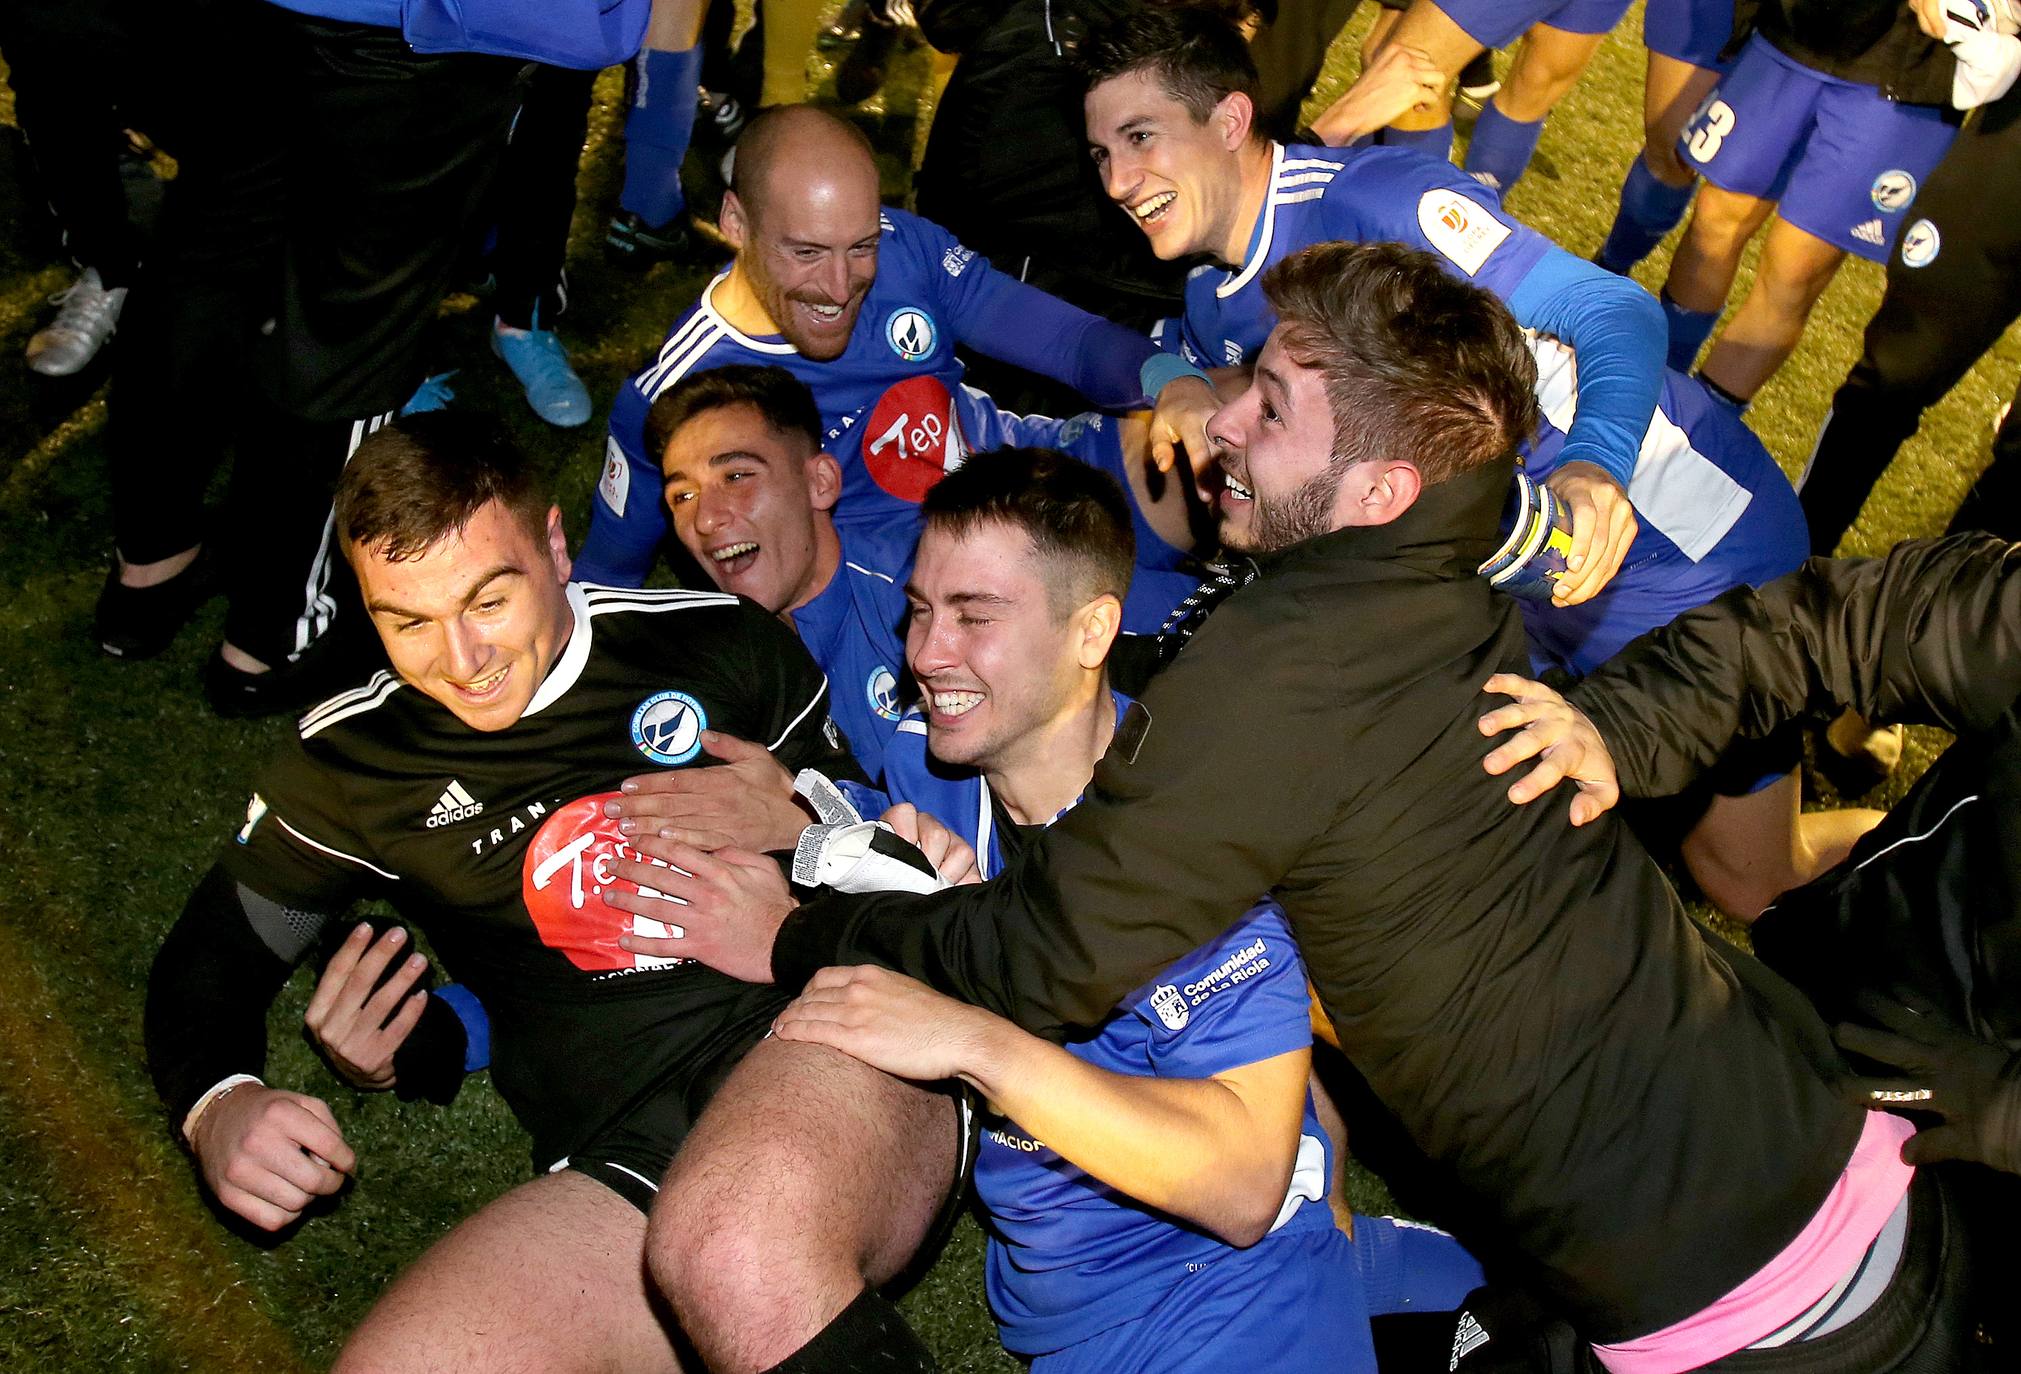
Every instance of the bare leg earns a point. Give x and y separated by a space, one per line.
1708 258
1796 267
549 1277
809 1176
1671 91
1548 63
1426 27
1747 851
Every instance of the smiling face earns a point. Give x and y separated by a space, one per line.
1179 179
479 618
993 660
1276 441
807 248
747 500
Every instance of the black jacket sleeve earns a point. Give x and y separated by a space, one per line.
1195 812
1930 634
207 997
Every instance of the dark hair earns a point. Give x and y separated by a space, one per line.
1076 516
1196 52
779 396
420 479
1417 365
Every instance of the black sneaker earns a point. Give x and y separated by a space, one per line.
629 240
139 622
1477 79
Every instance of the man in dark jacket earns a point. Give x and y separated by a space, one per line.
1637 1122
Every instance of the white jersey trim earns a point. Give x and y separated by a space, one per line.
334 853
357 701
1262 250
681 352
794 724
870 572
588 600
1686 496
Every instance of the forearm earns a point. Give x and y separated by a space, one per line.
207 998
1617 330
1190 1147
1021 324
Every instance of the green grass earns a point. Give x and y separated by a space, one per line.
116 786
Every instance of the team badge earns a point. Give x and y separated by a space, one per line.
882 689
615 486
1893 190
909 331
1460 228
1920 244
911 439
256 809
1170 1004
668 727
563 879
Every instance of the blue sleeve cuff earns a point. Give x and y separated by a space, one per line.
476 1024
1162 369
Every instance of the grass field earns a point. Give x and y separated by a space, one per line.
116 786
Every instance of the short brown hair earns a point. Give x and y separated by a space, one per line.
783 399
420 479
1195 51
1076 516
1417 365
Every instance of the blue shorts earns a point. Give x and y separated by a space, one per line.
1164 576
1498 23
1841 161
1689 30
1700 456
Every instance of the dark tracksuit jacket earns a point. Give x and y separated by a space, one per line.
1639 1115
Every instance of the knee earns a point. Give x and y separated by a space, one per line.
1721 222
1659 154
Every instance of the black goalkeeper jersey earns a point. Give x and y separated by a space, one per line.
496 846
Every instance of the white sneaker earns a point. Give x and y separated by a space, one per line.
80 329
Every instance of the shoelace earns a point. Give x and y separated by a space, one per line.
540 354
86 309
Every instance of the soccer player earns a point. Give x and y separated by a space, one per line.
1588 1071
1684 39
468 786
865 305
1157 1194
1831 118
1169 114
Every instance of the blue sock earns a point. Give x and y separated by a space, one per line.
1499 152
1436 143
656 133
1410 1268
1649 210
1688 330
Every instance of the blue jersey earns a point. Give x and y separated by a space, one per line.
1069 1257
855 631
893 407
1713 511
1395 195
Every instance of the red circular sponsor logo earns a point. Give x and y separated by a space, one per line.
563 879
911 439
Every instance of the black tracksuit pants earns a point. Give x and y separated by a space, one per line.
1934 323
328 179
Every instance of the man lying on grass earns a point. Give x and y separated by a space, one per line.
468 787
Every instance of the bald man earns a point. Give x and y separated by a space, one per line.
866 305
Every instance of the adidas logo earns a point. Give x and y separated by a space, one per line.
1871 232
453 805
1467 1338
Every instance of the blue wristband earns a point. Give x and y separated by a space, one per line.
1160 370
476 1024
